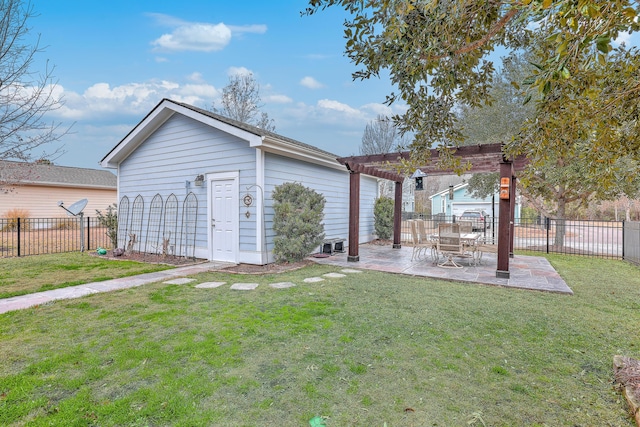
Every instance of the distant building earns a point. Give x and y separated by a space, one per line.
38 187
443 203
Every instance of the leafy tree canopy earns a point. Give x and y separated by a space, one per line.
436 53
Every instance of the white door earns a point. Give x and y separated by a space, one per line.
223 220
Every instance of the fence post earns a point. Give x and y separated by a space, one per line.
88 233
19 236
547 221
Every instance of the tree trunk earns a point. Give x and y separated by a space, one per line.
561 227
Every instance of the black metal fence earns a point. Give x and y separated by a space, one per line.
602 239
37 236
631 233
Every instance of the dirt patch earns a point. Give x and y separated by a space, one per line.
627 379
269 268
180 261
151 258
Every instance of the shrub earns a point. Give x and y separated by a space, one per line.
66 224
383 217
12 220
297 222
110 221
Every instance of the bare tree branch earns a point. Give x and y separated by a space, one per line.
26 95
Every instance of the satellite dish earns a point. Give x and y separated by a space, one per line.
76 208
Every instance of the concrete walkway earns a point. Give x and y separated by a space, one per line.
30 300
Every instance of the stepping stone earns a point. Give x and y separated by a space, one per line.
180 281
313 279
244 286
282 285
349 270
334 275
210 285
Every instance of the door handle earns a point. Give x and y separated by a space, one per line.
213 222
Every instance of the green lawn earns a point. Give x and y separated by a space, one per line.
370 349
39 273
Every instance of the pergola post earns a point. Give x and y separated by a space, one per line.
354 216
397 217
504 220
513 213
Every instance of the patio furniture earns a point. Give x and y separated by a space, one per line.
484 247
426 240
465 226
418 246
450 245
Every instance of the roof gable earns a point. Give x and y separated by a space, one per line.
257 137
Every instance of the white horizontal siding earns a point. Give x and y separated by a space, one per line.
178 151
332 184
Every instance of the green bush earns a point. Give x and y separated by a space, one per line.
383 217
297 222
110 221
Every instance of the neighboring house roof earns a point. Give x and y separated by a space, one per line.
24 173
257 137
446 191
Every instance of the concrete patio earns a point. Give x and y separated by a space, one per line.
526 272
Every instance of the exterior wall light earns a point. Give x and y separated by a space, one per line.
199 181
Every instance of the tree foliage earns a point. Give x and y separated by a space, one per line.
297 222
26 94
383 217
241 101
436 53
502 119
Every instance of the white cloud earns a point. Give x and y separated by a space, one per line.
101 102
311 83
622 38
277 99
195 77
195 37
198 36
331 105
238 71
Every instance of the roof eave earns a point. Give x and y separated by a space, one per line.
287 149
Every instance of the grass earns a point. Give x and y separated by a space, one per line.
364 350
26 275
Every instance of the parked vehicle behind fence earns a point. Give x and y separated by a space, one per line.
477 217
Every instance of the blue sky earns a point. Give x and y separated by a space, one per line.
116 60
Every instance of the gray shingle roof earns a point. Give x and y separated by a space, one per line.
64 176
253 129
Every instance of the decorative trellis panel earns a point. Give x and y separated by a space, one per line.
189 224
170 231
135 231
152 241
123 222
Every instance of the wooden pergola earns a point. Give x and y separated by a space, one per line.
483 159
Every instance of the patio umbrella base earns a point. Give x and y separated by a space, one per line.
450 263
